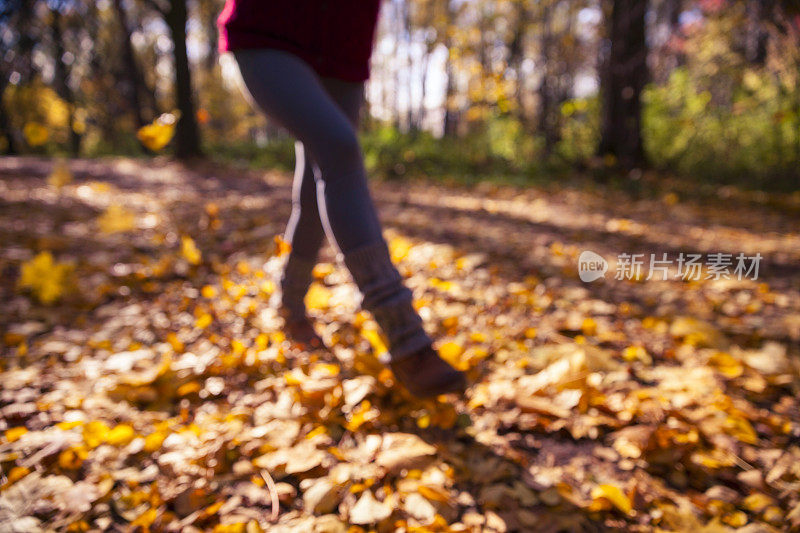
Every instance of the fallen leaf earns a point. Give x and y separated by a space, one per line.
368 510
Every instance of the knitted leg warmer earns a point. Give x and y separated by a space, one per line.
295 281
387 298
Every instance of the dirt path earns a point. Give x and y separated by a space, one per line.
157 389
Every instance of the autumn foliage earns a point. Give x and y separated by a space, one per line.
147 385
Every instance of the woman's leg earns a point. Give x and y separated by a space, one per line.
290 92
305 234
304 231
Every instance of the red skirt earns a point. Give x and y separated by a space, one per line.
335 37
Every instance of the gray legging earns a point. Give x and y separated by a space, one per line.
330 193
322 114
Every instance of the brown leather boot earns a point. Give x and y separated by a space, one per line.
426 375
288 302
300 331
411 355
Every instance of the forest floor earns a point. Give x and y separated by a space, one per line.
146 383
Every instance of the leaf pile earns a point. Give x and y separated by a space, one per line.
146 382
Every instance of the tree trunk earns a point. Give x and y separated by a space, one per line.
62 82
405 13
422 111
187 137
756 35
548 122
450 125
622 83
450 114
135 78
516 55
675 9
213 40
27 40
5 125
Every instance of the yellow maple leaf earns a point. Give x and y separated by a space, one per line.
757 502
424 421
15 433
95 432
399 247
175 342
189 250
589 326
434 493
613 495
35 134
318 296
16 473
159 133
321 270
186 389
116 219
203 321
146 519
636 353
236 527
451 352
739 427
47 279
361 415
262 341
243 268
154 440
208 291
238 347
281 246
726 364
121 435
376 341
72 458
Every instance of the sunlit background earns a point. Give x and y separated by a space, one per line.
148 384
458 87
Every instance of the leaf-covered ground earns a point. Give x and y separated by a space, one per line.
146 383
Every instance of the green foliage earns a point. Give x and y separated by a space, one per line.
502 147
276 154
507 140
752 139
580 130
39 113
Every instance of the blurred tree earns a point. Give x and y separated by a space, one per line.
451 111
756 33
16 46
187 136
136 89
667 44
10 146
560 59
516 53
63 61
548 120
623 76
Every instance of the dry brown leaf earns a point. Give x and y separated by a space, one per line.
403 450
368 510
